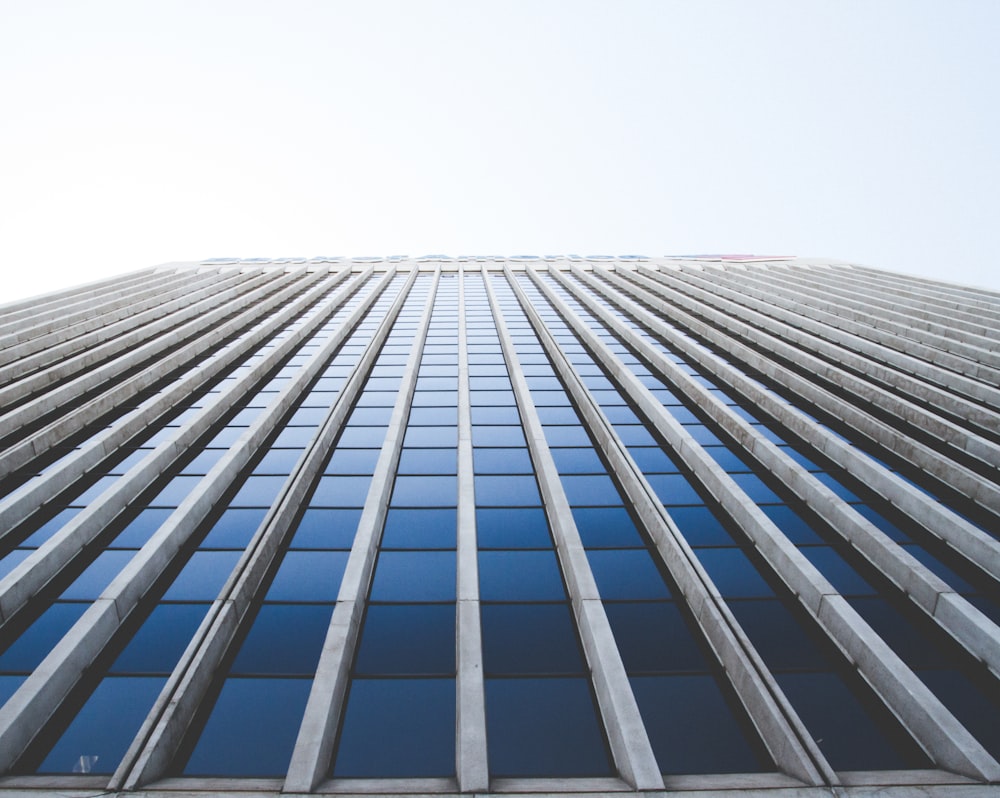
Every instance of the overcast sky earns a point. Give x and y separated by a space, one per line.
135 133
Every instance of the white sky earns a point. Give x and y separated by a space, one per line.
134 133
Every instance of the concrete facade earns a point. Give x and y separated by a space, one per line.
840 424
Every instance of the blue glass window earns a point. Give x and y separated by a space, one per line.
530 639
691 727
414 576
502 461
284 639
734 575
25 653
512 491
308 576
158 644
396 728
325 529
626 574
420 529
516 527
519 576
544 727
606 527
99 735
425 491
237 741
428 461
407 639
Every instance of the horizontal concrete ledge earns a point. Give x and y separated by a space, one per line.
874 784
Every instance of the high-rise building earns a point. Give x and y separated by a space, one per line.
481 524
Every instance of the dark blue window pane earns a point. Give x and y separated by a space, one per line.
428 461
98 575
791 524
691 727
502 461
234 529
59 520
8 686
699 527
158 644
800 458
840 725
407 639
103 729
901 635
414 576
843 577
398 727
652 460
507 491
513 528
308 576
725 458
353 461
836 486
420 529
12 559
627 574
338 491
252 729
593 490
755 488
654 637
326 529
890 529
544 727
37 640
519 576
777 635
673 489
701 434
972 708
203 576
284 639
530 638
954 581
606 527
425 491
734 575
